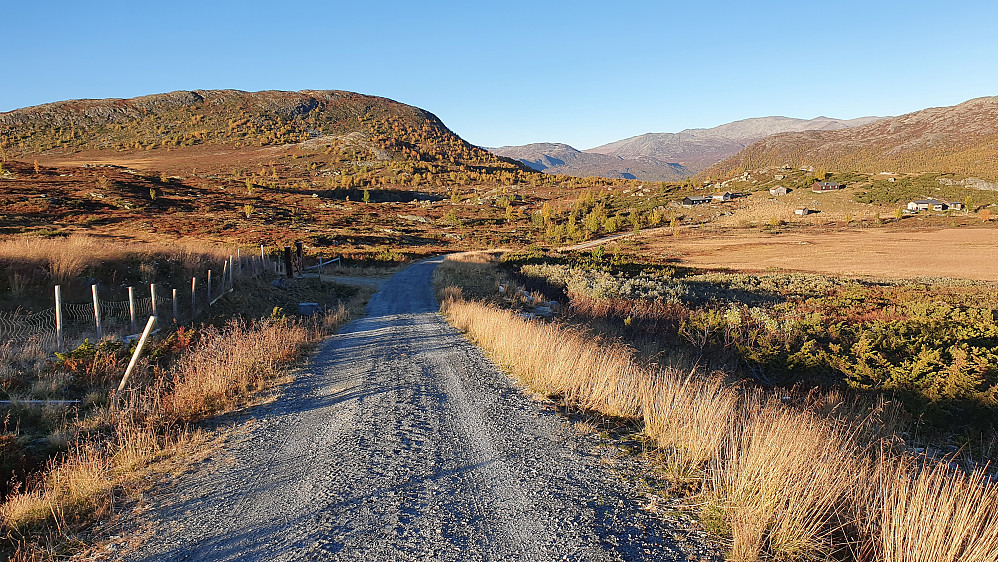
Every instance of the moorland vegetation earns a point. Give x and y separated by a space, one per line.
774 472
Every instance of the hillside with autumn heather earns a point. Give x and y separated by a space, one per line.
383 127
962 139
349 174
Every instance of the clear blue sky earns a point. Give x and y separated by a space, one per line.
515 72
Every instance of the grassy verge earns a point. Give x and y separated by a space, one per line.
778 480
115 441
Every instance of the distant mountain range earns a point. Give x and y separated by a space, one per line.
665 156
961 139
557 158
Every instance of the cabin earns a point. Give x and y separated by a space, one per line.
823 186
779 190
726 196
934 205
695 200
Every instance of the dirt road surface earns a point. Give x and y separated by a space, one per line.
404 443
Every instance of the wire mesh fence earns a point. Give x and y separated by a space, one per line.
123 318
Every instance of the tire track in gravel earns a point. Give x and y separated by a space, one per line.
403 442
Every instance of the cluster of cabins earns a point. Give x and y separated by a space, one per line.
934 205
822 187
817 187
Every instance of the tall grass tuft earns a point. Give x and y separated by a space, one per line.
922 509
689 418
781 479
554 361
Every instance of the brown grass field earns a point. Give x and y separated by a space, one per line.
963 253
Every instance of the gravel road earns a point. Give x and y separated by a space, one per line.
402 442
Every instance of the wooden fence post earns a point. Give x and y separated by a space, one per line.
152 298
194 296
289 264
138 350
209 287
232 268
100 329
131 308
176 308
239 261
60 336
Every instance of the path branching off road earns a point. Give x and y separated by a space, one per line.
402 442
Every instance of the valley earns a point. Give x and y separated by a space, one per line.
764 278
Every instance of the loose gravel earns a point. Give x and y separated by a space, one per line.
403 442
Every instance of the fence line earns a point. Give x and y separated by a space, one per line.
102 317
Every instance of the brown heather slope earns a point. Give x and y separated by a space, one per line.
962 139
349 174
235 118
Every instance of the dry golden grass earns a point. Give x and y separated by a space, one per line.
68 257
82 486
784 483
926 510
965 253
151 422
473 273
781 480
230 364
553 360
689 418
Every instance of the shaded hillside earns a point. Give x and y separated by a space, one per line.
381 127
697 149
961 139
557 158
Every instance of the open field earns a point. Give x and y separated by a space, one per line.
964 253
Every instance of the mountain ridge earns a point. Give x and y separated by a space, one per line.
560 158
961 139
693 147
664 156
233 117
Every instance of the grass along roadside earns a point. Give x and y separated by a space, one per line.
153 425
776 481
